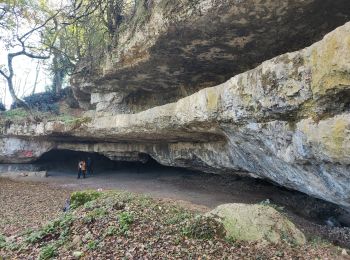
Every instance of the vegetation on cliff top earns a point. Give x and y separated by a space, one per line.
58 33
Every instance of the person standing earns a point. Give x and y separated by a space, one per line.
89 166
83 168
80 168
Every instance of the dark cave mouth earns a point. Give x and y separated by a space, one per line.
316 210
68 159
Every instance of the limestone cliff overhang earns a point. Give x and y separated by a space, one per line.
171 49
287 120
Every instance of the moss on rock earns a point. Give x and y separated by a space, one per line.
257 223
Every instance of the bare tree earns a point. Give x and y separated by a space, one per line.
23 49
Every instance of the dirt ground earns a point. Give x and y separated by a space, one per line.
27 202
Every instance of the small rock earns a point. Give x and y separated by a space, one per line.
344 252
77 254
76 241
119 205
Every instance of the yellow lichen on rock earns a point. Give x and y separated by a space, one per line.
330 62
257 223
331 136
338 137
212 98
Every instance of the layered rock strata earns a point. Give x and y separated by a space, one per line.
287 120
171 49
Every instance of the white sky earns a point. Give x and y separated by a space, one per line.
25 70
25 74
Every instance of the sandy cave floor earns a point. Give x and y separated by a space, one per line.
29 202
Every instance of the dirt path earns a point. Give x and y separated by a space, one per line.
204 192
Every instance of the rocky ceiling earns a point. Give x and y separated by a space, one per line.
171 49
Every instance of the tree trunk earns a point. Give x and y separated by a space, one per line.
57 73
19 102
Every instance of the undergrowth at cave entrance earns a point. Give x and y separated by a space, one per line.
124 225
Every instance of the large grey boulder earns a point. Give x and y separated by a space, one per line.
257 223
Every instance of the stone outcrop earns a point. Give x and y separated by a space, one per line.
287 120
257 223
171 49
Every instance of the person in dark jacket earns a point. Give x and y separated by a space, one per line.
89 166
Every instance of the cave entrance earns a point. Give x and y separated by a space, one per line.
65 162
181 184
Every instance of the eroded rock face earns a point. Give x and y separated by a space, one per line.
172 49
287 120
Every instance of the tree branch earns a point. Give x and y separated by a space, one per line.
38 27
4 75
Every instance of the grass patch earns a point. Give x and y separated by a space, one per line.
92 245
48 252
79 198
125 220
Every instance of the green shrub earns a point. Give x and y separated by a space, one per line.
92 245
58 227
125 220
95 214
2 241
178 216
111 231
202 227
48 252
79 198
17 113
34 237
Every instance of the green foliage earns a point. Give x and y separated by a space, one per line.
58 228
79 198
111 231
34 237
202 227
125 220
48 252
178 216
92 245
2 241
95 214
18 113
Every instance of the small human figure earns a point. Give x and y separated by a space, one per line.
89 166
81 169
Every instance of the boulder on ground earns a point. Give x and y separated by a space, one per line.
257 223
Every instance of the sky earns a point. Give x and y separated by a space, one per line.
25 72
